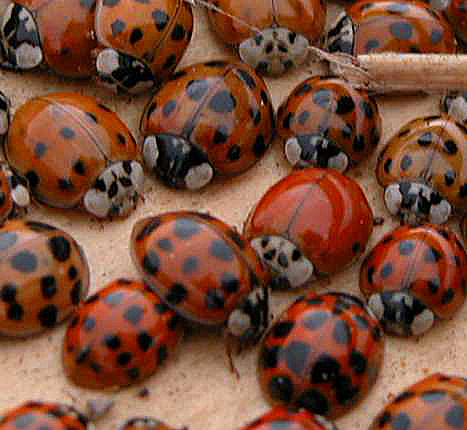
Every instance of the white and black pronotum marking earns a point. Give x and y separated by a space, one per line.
456 106
250 319
340 38
274 51
19 37
178 163
122 72
116 190
401 313
416 203
19 190
291 269
317 151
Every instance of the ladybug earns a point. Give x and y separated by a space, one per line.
414 275
326 122
456 13
438 402
211 117
125 44
203 269
294 226
374 26
119 336
272 37
422 170
35 415
144 423
323 354
44 276
287 419
14 193
75 151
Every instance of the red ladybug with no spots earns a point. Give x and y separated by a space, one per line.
437 402
326 122
294 226
205 270
119 336
323 354
211 118
272 37
375 26
127 45
44 276
414 275
74 151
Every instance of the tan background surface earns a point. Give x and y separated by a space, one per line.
197 389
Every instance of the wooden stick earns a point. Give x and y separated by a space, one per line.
385 73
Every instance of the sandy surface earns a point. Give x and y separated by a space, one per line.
197 389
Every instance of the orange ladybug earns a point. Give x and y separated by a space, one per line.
125 44
437 402
213 117
323 354
294 226
34 415
423 170
44 276
205 270
275 35
119 336
414 275
75 151
326 122
374 26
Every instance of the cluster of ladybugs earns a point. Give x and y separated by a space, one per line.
324 352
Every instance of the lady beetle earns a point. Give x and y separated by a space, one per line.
423 171
204 270
144 423
323 354
35 415
44 276
325 122
271 37
373 26
413 275
438 402
126 44
119 336
294 226
75 151
211 117
456 13
287 419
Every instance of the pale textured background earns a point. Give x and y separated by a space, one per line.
197 389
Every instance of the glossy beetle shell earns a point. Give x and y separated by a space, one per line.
297 18
223 110
310 208
34 415
61 143
431 151
437 402
44 276
413 275
323 354
199 265
120 336
333 109
374 26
